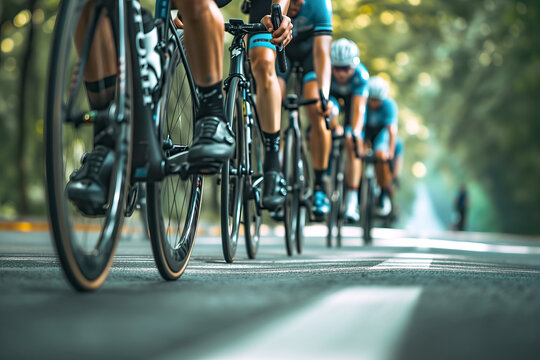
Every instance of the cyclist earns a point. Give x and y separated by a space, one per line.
213 140
380 129
312 37
350 85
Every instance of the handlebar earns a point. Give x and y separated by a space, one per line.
324 107
235 26
277 17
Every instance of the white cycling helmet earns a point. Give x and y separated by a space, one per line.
378 88
344 53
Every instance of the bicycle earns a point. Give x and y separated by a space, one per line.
368 189
296 167
151 130
242 176
337 189
241 181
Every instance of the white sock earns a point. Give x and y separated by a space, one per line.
352 198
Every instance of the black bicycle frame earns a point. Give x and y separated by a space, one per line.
149 163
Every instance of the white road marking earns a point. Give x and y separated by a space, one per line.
406 261
354 323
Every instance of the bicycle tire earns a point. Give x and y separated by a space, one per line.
368 213
332 220
174 204
291 205
251 210
85 245
232 182
302 201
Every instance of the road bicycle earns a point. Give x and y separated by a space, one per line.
369 189
296 167
337 189
150 129
242 176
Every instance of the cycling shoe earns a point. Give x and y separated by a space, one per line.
88 187
321 205
274 190
213 144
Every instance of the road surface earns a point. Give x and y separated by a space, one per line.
409 296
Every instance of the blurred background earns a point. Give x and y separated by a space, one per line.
465 74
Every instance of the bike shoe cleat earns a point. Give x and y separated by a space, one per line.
213 144
88 186
321 205
274 190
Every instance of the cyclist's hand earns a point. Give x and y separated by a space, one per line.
178 23
283 34
329 107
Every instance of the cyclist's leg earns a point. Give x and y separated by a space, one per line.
320 140
203 37
263 57
353 169
89 183
101 67
382 168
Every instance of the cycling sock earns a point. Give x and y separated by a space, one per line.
100 94
319 183
211 101
271 149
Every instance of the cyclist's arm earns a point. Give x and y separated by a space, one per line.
321 62
392 129
358 112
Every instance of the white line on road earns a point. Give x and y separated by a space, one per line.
354 323
406 261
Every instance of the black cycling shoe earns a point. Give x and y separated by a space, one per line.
274 190
88 186
213 144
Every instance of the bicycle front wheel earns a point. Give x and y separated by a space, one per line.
367 216
292 200
174 204
85 242
232 178
252 212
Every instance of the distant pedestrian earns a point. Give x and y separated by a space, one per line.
461 205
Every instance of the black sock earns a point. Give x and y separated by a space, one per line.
211 101
319 183
271 147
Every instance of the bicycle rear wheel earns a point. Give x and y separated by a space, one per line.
303 200
292 200
174 204
85 244
232 177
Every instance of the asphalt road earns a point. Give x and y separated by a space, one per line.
409 296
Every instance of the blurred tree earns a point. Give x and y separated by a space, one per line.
466 75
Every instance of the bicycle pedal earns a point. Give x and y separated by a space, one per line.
205 168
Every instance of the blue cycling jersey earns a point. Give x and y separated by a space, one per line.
385 115
314 18
357 84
